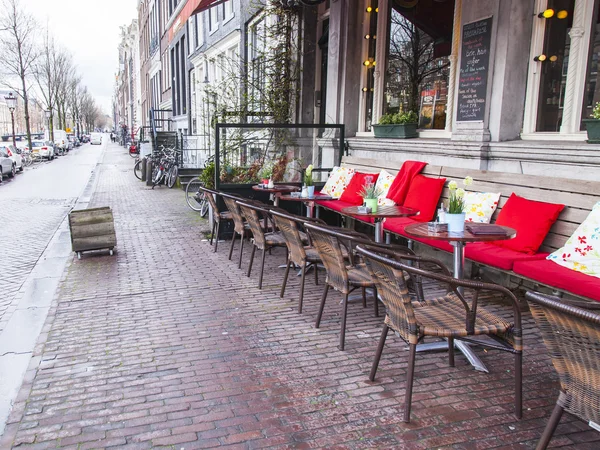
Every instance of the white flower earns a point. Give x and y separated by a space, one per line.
452 185
468 181
309 170
460 193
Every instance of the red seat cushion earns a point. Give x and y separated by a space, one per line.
531 219
548 272
397 226
351 194
424 195
338 205
502 258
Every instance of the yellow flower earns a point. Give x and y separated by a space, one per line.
468 181
460 193
452 185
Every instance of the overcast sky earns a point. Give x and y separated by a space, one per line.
89 29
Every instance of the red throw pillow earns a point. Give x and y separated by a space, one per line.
424 195
531 219
351 193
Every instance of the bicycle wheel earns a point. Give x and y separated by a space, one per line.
172 179
204 206
193 195
137 169
157 176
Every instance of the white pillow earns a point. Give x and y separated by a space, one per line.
383 184
480 206
338 181
581 252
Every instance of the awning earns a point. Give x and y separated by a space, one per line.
192 7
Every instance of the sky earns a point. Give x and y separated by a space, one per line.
89 30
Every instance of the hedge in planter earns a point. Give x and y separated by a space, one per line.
399 125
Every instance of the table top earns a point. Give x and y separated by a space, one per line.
277 188
421 230
306 199
382 211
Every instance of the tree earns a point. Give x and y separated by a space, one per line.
19 53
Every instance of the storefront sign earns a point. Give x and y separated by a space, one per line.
474 65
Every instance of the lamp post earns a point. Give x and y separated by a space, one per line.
11 102
48 113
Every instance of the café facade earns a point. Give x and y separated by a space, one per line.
501 85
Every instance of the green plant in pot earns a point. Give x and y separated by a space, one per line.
265 173
308 181
593 125
455 217
401 125
370 192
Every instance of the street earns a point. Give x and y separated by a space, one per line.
32 207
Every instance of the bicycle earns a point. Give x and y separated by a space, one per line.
166 170
194 196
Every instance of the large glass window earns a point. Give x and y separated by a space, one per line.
417 70
592 83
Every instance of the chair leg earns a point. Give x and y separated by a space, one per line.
410 375
251 260
285 277
451 351
212 233
550 428
323 298
384 334
343 324
241 250
231 246
302 289
217 236
364 296
376 302
519 385
316 270
262 268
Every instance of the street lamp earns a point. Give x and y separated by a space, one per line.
11 102
48 113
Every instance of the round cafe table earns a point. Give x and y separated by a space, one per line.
308 201
276 191
383 212
458 242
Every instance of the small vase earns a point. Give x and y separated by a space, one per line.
311 191
270 185
456 222
371 203
304 193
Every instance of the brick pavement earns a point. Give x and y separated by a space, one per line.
168 345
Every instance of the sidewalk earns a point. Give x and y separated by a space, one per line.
167 344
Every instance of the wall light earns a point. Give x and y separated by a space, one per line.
562 14
540 58
367 36
364 89
369 9
546 14
367 63
553 58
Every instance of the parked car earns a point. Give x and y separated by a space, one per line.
14 153
45 149
7 165
61 141
96 138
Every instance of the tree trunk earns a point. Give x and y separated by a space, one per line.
26 104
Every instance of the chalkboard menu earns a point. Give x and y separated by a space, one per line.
474 65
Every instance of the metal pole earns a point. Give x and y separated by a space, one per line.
12 117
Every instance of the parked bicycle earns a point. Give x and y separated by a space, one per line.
165 169
196 198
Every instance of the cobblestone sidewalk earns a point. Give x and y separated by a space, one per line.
167 344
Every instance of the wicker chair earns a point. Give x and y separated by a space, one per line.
261 240
239 225
299 254
341 276
572 337
217 215
450 316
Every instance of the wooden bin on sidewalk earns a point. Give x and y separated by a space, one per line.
92 229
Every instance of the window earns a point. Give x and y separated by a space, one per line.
213 23
227 10
191 35
257 73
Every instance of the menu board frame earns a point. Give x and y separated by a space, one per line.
474 70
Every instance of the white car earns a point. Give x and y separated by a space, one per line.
45 149
96 138
14 153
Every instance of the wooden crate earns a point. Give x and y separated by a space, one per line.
92 229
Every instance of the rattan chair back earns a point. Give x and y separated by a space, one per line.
251 214
329 247
210 196
234 209
289 228
572 337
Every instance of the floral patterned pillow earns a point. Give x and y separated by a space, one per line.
479 206
384 181
337 181
581 252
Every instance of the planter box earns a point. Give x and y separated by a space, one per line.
593 130
399 131
92 229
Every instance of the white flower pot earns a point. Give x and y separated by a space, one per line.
311 191
456 222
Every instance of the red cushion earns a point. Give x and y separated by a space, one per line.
548 272
351 193
424 195
338 205
397 226
399 187
502 258
531 219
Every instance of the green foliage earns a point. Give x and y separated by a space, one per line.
399 118
596 111
370 191
208 175
308 179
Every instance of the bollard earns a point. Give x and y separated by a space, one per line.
149 172
143 164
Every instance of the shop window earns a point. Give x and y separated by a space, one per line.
417 66
592 83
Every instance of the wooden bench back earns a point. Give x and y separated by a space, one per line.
578 196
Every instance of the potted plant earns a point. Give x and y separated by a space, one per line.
455 217
370 193
265 174
400 125
308 182
593 125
